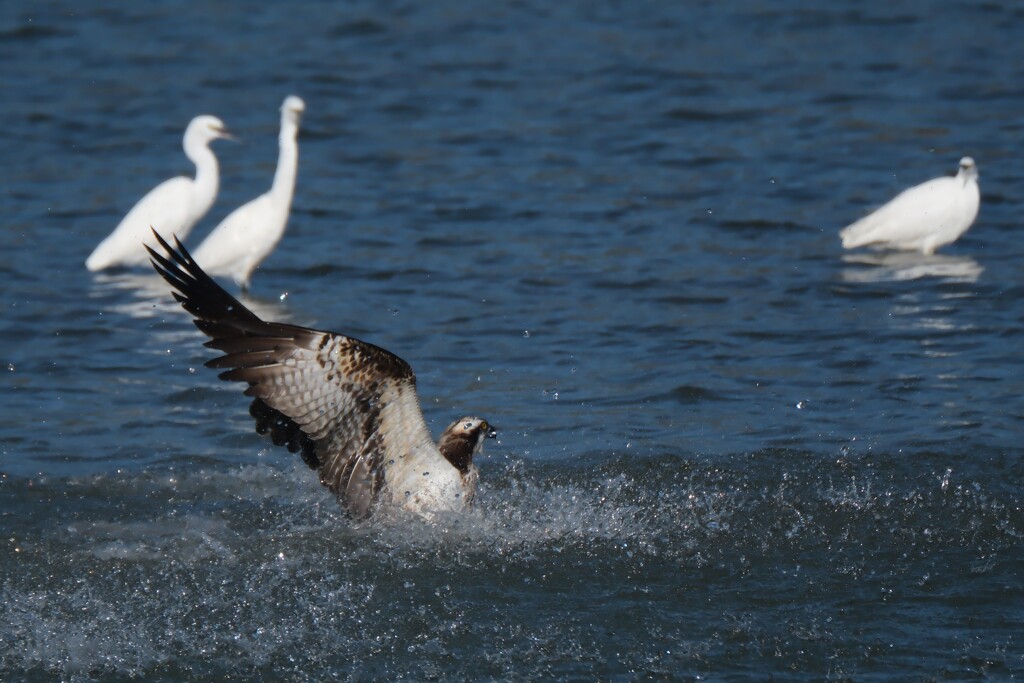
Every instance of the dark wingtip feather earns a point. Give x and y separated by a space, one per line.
195 290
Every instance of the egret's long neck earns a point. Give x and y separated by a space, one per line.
287 165
207 182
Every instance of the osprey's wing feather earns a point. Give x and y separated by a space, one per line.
344 403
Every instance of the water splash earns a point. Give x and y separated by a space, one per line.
245 571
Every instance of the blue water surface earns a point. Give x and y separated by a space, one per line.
728 450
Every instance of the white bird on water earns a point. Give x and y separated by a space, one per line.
922 218
250 232
172 207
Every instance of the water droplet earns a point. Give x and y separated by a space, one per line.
771 180
284 295
709 211
526 334
191 371
800 405
10 367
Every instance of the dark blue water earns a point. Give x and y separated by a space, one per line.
728 450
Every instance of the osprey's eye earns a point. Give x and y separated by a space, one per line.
484 426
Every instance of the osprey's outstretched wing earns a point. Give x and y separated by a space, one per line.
350 407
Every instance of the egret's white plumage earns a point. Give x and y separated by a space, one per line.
922 218
171 208
250 232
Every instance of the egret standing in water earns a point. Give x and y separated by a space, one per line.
172 207
250 232
922 218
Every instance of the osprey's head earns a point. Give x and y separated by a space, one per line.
462 439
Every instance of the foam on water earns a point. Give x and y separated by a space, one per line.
248 570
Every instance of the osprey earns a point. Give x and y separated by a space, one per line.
350 408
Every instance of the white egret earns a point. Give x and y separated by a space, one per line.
922 218
250 232
172 207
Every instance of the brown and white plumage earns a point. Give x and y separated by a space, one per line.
349 407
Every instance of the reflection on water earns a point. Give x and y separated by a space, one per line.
898 266
151 297
931 318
